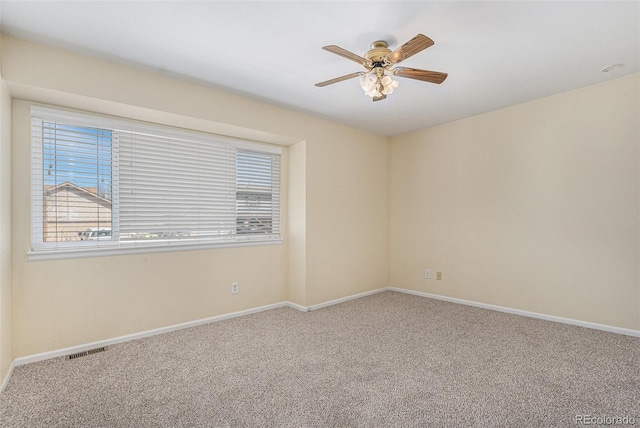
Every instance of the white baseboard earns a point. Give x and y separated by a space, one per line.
107 342
85 347
148 333
346 299
5 381
587 324
297 306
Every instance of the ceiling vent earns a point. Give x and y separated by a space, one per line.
613 67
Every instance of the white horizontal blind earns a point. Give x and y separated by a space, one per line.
174 189
257 193
72 183
147 185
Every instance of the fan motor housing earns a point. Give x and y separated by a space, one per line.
378 52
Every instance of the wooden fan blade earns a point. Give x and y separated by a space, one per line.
412 47
339 79
346 54
380 98
424 75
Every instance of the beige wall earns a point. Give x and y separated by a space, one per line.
70 302
298 224
533 207
6 309
347 203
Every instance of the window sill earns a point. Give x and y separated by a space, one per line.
76 253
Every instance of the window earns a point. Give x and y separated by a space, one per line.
256 191
103 184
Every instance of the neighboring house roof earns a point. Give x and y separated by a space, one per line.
90 191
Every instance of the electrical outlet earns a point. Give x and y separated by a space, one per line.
234 288
438 276
427 273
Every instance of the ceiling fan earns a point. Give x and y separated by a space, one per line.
380 63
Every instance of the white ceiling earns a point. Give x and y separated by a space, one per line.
497 54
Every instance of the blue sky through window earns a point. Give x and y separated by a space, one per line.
78 155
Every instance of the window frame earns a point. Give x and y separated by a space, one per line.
87 248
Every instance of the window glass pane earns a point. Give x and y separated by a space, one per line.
255 203
77 185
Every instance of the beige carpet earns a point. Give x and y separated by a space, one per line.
388 360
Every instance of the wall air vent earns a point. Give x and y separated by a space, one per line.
85 353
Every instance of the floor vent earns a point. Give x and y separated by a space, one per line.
85 353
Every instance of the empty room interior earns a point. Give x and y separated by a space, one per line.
319 213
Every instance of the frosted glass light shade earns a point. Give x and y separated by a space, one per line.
375 86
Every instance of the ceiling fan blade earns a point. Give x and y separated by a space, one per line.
339 79
346 54
424 75
380 98
412 47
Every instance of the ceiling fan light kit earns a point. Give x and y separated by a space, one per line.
381 64
376 83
